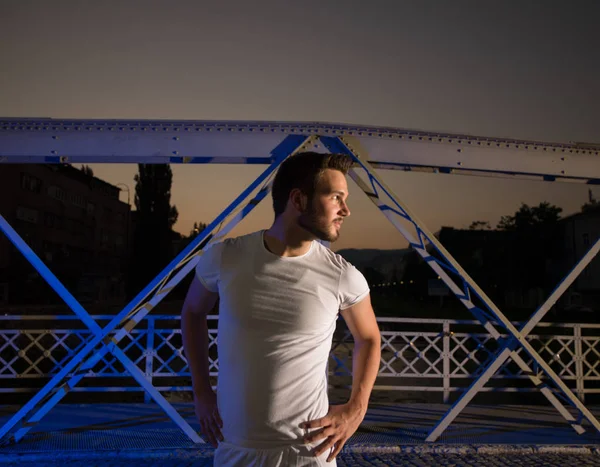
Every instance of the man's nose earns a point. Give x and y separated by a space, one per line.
345 210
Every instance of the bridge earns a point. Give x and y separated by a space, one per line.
51 141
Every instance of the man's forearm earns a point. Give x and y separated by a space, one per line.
194 332
365 366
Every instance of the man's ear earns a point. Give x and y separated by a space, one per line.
299 200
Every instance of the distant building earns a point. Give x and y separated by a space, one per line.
580 232
490 257
74 222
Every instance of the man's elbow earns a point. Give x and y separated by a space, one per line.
373 339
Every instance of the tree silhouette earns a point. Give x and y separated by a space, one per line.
197 229
480 225
534 246
153 223
530 217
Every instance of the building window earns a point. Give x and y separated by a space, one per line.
56 193
27 215
48 249
91 207
52 220
30 183
77 200
49 219
586 239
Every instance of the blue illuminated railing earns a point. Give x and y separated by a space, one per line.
433 355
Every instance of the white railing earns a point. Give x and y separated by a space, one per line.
433 355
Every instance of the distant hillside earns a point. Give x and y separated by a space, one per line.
383 261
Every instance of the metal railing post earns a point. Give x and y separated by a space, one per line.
149 355
446 359
580 388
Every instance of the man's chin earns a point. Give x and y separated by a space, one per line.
319 234
329 237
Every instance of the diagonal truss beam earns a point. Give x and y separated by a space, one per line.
236 217
70 300
351 147
505 352
139 307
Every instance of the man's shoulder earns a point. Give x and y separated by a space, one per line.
241 241
338 261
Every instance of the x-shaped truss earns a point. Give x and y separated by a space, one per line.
445 265
105 340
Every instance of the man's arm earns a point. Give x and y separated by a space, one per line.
342 421
198 303
362 324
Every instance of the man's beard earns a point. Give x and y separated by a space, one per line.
309 222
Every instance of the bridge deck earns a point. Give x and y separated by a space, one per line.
79 428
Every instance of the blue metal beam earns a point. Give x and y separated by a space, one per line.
84 316
132 311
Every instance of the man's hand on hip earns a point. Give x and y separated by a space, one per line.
340 423
207 413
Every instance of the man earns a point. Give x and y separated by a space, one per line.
280 293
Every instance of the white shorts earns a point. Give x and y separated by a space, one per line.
229 455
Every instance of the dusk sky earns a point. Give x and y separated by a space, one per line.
520 69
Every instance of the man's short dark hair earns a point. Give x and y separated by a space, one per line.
302 171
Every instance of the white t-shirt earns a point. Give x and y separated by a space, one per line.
277 316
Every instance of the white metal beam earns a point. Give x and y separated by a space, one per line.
143 141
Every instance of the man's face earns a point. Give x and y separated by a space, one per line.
324 216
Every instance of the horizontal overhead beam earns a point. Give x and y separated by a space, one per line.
236 142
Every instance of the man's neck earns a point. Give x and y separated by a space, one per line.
288 241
